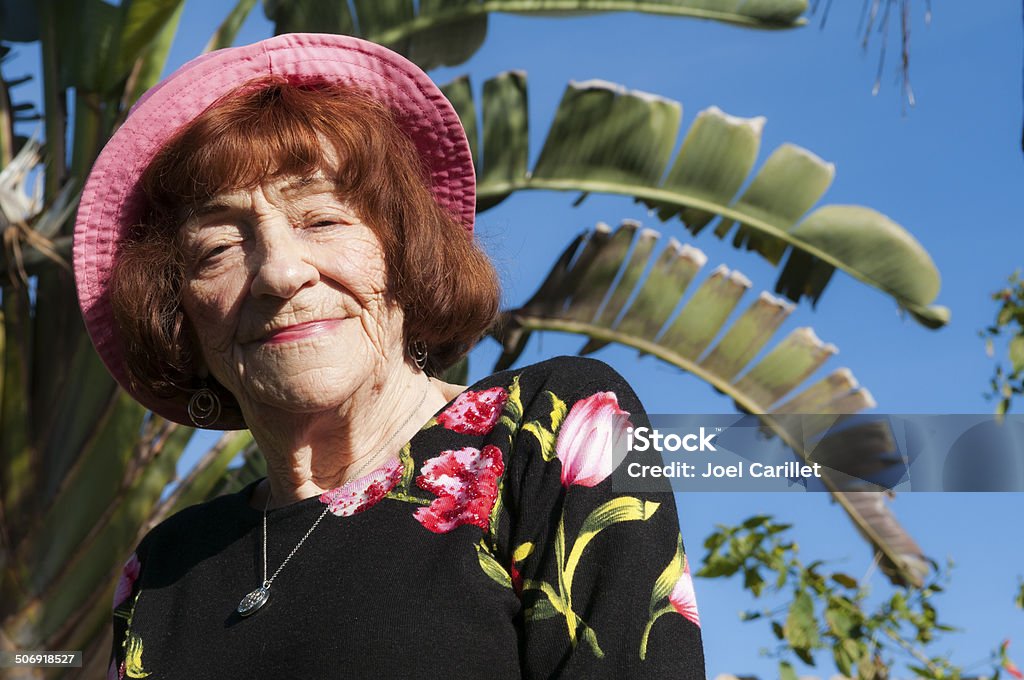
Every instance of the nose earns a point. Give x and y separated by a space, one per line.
282 261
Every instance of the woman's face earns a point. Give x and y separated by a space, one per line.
286 289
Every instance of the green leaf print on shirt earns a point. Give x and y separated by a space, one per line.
662 588
620 509
491 566
133 659
408 467
582 439
512 412
545 434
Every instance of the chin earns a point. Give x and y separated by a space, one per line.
306 396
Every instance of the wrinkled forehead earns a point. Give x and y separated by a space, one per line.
280 188
286 193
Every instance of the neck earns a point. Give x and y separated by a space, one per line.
308 454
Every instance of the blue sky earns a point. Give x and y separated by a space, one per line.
950 170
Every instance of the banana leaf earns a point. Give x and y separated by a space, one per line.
607 139
601 288
226 33
435 33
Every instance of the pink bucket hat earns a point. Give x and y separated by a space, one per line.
112 202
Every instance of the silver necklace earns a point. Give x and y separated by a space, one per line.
257 598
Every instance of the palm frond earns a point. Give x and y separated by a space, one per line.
448 32
606 139
600 288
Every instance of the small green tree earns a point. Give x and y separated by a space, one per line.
1009 321
827 612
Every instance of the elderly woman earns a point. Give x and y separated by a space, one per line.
279 238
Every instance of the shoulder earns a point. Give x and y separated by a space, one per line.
181 531
577 380
571 375
563 404
570 365
545 389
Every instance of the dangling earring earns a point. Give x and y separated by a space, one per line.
418 353
204 407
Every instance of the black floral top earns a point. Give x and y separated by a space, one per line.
495 547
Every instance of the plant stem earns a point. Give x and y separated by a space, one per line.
55 107
402 496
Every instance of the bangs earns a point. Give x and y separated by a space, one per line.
269 128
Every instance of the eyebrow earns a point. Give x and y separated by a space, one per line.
302 185
308 184
208 208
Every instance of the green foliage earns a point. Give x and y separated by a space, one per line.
1007 382
816 612
225 35
64 425
435 33
605 139
83 467
609 265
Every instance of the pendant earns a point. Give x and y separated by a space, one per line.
254 600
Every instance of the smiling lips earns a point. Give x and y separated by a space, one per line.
300 331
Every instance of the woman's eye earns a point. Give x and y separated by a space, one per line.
323 222
214 252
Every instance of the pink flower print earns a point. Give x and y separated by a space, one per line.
466 484
474 412
359 494
587 437
129 574
683 598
